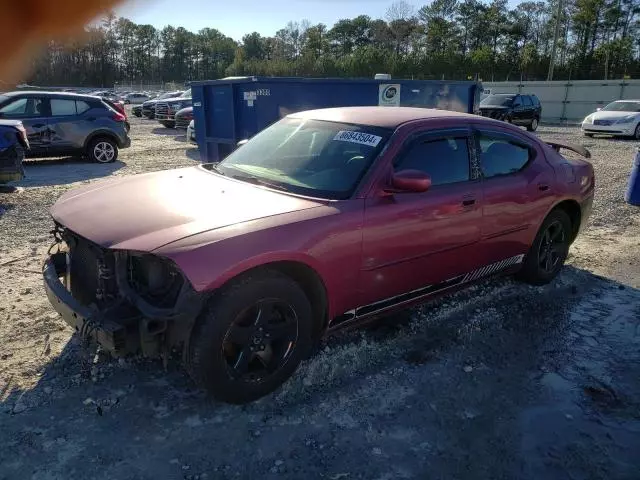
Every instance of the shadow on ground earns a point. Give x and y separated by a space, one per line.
165 131
63 171
501 380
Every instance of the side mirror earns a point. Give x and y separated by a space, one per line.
598 109
242 142
409 181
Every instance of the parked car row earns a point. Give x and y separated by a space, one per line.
172 109
619 118
60 123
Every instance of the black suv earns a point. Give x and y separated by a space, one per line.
519 109
60 124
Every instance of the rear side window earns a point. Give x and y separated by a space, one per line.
62 107
499 156
445 160
535 100
527 101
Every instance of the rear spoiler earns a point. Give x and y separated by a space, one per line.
579 149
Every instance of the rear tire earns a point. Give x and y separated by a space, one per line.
533 126
169 124
636 135
231 353
102 150
590 135
548 251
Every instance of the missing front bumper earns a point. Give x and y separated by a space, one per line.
91 323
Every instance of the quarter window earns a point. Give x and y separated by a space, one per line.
499 156
445 160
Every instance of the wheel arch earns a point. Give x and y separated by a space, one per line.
572 208
309 279
99 134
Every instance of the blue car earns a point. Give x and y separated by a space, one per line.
13 144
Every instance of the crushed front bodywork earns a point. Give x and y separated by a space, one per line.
126 301
12 151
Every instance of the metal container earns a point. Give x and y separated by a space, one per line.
230 110
632 195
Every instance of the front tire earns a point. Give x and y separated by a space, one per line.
251 337
102 150
636 134
533 126
590 135
167 124
549 250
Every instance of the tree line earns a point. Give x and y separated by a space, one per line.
451 39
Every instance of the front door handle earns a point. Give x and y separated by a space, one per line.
543 187
467 202
39 125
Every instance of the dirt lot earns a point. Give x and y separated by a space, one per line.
500 381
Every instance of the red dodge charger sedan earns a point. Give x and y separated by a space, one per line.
325 219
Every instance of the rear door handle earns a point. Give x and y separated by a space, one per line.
467 202
39 125
543 187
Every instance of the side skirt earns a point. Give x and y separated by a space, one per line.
423 293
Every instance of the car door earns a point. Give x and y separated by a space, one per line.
33 112
415 243
517 117
517 191
528 109
67 126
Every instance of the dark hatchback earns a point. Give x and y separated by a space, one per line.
67 124
520 109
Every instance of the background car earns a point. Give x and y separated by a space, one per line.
519 109
137 110
620 118
183 118
166 110
135 98
334 217
67 124
149 107
13 144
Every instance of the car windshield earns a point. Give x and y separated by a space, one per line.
186 94
307 157
498 100
622 107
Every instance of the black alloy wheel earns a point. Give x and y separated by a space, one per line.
551 247
549 250
260 340
250 337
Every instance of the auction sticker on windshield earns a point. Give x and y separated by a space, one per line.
358 137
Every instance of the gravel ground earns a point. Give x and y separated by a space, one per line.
499 381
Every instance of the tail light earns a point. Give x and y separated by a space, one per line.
118 117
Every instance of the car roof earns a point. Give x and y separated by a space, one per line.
386 117
39 93
627 100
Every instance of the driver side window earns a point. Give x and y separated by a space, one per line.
445 160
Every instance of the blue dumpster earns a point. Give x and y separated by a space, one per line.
633 189
229 110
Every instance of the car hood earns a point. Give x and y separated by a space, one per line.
612 115
145 212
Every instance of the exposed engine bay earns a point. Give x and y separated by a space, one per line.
143 301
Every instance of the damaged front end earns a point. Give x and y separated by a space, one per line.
127 301
13 143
